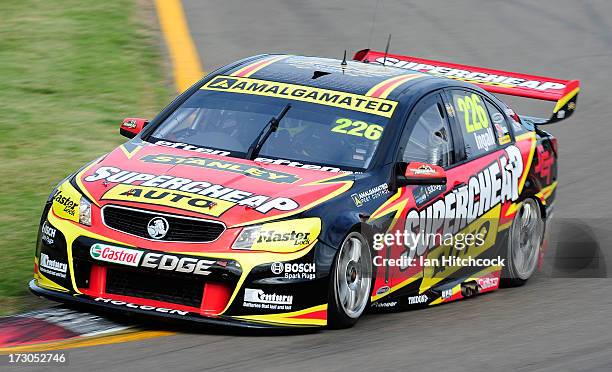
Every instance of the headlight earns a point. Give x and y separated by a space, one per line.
84 212
280 237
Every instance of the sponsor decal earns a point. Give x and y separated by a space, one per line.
489 282
158 227
415 300
183 193
545 162
188 147
383 290
277 268
52 267
223 165
295 164
350 101
47 233
485 140
365 196
471 76
504 139
294 270
384 305
422 169
66 202
293 237
176 199
117 255
141 307
358 202
129 124
281 236
447 293
423 194
169 262
257 298
493 185
503 134
159 261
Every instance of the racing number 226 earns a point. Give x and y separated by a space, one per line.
474 112
358 128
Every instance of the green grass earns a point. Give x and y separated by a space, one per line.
70 71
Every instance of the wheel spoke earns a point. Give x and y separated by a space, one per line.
355 252
351 299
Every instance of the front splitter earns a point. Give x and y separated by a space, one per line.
220 321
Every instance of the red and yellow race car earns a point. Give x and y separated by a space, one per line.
299 191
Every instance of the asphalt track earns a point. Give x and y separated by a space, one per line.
561 319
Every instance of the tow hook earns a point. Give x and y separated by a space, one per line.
469 289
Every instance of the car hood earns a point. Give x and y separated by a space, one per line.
235 191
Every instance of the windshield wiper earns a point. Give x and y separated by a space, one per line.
262 137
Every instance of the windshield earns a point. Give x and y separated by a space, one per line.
309 133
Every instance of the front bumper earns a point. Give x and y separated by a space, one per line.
219 298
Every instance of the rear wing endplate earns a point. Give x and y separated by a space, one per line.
563 92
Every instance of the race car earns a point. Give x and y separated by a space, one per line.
291 191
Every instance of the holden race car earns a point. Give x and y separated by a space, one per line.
290 191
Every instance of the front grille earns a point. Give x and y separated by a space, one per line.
181 229
182 290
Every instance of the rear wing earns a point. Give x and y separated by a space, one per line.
563 92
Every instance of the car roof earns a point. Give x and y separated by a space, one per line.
327 73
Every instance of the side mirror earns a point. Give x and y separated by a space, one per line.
130 127
417 173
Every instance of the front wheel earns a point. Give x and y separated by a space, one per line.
350 282
524 242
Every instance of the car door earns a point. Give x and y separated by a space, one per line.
473 204
426 138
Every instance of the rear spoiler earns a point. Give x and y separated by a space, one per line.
563 92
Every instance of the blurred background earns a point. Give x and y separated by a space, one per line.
71 70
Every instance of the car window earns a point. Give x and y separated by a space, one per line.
476 127
308 133
430 139
500 125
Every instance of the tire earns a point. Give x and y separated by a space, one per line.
523 244
350 282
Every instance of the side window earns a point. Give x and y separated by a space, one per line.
476 128
499 124
430 139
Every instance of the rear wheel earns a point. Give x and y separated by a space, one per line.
524 242
351 282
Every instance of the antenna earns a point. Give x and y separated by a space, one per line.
343 63
387 49
373 23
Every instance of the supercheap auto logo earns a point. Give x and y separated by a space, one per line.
350 101
227 166
183 193
469 76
